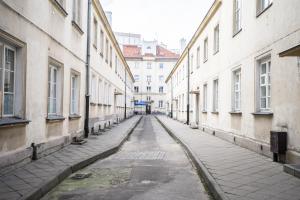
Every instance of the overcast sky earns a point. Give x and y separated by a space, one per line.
165 20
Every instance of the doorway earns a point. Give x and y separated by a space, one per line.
148 109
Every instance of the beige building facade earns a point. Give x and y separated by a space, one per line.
240 74
43 76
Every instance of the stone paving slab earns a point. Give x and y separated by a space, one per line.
233 172
35 179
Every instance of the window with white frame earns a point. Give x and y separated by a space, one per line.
94 89
160 103
109 94
264 82
110 56
205 52
192 63
148 98
198 57
136 65
136 89
215 95
54 90
116 64
136 77
263 5
236 91
7 79
148 88
105 93
101 42
205 97
149 65
237 11
161 78
106 50
77 12
74 107
95 33
100 91
216 39
161 89
161 65
148 78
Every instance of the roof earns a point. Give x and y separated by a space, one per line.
165 53
132 51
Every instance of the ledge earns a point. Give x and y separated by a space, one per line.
13 121
77 27
74 117
236 33
55 118
204 112
270 114
59 7
93 104
235 113
215 112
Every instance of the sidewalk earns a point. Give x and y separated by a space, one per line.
35 179
233 172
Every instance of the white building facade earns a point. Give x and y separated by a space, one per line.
243 74
43 76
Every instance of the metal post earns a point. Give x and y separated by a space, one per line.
125 109
172 97
88 69
188 90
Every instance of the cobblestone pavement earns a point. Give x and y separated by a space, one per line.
36 178
150 166
238 172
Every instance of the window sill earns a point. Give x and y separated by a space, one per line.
267 114
74 117
77 27
204 112
236 33
216 52
205 60
215 112
55 118
264 10
59 7
13 121
235 113
93 104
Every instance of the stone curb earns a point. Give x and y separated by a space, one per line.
202 171
50 184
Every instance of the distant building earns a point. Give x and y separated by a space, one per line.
150 63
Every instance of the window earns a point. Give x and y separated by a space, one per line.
161 89
205 98
161 78
263 5
54 90
264 84
136 77
106 50
136 89
237 16
94 89
148 78
216 39
192 63
100 91
74 94
7 78
148 88
216 95
101 42
149 65
160 104
77 11
161 65
148 98
205 52
136 65
236 90
95 39
116 64
198 57
110 56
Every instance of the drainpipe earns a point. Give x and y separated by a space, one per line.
188 90
171 97
125 95
88 70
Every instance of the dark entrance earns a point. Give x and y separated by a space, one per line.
148 109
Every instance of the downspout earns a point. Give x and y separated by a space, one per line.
125 109
188 91
171 97
88 70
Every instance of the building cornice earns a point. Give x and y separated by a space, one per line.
209 15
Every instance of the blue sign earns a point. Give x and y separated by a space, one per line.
140 103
